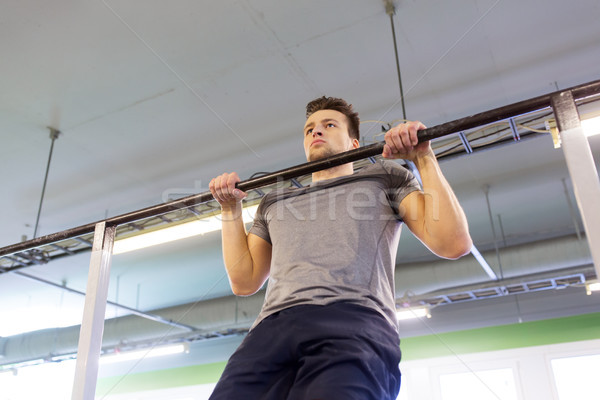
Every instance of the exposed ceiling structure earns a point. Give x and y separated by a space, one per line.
153 99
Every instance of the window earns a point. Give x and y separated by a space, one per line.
479 385
50 381
576 377
403 395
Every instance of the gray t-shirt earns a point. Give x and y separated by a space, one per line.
335 240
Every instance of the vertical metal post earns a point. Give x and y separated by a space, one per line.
571 209
92 325
582 169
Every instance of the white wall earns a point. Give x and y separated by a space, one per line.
533 377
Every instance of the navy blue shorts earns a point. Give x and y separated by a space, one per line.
336 352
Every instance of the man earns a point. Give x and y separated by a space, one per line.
327 328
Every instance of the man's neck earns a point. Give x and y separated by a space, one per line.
335 172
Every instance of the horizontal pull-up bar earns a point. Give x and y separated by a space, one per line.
483 118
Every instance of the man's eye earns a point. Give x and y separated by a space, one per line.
330 125
308 131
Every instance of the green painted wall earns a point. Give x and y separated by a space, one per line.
162 379
537 333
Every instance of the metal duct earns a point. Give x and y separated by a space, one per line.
208 316
531 258
239 312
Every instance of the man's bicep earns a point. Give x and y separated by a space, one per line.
260 251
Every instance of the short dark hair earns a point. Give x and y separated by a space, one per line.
340 105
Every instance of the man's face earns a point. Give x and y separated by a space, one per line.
326 134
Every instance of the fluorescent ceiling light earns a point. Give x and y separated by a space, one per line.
15 366
412 312
592 287
176 232
145 353
591 126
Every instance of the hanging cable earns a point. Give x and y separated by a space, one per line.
390 9
54 133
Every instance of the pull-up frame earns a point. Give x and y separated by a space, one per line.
575 146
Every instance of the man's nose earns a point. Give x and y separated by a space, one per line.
317 132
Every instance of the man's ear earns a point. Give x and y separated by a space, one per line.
355 143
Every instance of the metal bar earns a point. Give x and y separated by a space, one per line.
54 133
18 261
31 258
484 118
92 325
64 249
486 267
465 142
165 219
194 211
513 128
571 209
582 169
511 110
391 10
82 240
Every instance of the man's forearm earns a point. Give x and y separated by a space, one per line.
444 220
236 255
